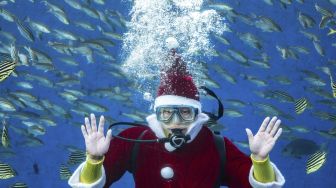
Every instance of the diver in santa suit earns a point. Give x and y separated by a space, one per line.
187 156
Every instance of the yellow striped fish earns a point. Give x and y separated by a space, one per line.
76 157
6 171
301 105
4 136
19 185
65 173
315 161
6 68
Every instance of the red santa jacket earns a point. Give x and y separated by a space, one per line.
195 165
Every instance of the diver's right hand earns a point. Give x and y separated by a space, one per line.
95 141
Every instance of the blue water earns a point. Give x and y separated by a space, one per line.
52 154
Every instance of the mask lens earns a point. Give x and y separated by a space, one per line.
185 113
165 113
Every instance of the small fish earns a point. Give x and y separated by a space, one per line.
74 4
31 141
65 35
282 96
25 31
300 49
323 11
4 136
36 130
23 95
300 147
68 96
306 21
324 21
90 11
267 25
100 2
134 117
315 161
236 103
257 81
6 68
300 129
222 39
310 36
301 105
325 116
76 157
286 52
6 171
333 86
269 2
85 25
233 113
19 185
57 12
221 7
319 48
64 172
243 144
36 168
260 63
238 56
267 109
251 40
284 80
90 106
331 31
7 15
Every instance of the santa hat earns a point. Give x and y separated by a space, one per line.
177 86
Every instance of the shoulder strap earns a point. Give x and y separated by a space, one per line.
135 151
220 145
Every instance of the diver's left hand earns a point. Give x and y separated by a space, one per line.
262 143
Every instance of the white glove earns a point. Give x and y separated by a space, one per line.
96 144
262 143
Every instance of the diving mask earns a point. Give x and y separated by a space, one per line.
186 114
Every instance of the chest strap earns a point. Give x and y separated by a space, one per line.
135 152
220 145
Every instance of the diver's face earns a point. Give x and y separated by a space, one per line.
176 123
176 117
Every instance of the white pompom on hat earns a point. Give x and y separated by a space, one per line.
172 43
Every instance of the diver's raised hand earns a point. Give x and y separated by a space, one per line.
95 141
262 143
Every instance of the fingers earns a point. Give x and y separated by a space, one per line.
108 136
84 132
263 125
275 128
277 135
249 135
271 124
93 123
87 125
101 125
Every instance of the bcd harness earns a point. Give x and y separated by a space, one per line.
220 146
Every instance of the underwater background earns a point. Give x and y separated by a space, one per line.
276 58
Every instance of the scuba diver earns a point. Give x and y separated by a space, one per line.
177 149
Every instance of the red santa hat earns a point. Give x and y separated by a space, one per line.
177 86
